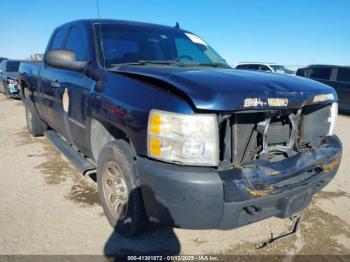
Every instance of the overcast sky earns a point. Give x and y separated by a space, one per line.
293 32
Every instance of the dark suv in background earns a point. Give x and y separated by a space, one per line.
2 59
9 77
336 76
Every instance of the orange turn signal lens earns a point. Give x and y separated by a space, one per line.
154 146
155 124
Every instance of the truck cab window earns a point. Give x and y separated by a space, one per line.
241 67
120 50
264 68
321 73
129 44
253 67
343 75
186 50
12 66
58 39
76 42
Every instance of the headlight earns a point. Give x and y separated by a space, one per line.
187 139
332 118
12 81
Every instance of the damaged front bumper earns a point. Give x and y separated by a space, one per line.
203 198
13 90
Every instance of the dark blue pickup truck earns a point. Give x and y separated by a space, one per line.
174 135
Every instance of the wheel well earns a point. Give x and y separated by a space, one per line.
101 133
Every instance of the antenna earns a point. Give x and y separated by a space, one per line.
177 26
100 33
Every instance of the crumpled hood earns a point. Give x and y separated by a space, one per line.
231 89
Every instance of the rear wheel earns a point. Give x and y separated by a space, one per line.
118 188
35 125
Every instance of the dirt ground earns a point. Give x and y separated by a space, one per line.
46 207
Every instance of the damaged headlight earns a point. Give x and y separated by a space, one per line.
332 118
187 139
12 82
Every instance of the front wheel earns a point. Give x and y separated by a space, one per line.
117 185
35 125
6 91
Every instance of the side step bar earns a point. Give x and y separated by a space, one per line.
82 164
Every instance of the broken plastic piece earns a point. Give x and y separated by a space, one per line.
295 225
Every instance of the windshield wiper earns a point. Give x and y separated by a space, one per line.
163 62
170 62
223 65
156 62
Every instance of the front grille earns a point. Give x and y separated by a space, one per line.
247 137
278 133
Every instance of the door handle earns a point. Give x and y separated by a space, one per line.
55 84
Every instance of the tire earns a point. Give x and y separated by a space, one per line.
119 190
6 91
36 127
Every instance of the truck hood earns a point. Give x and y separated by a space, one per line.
231 89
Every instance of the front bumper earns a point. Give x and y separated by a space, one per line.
13 91
207 198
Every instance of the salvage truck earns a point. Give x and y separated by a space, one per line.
174 135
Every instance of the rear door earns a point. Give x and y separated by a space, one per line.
49 85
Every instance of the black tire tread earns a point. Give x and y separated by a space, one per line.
38 126
120 151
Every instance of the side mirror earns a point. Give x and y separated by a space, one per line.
64 59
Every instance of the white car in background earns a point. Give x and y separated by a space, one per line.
267 67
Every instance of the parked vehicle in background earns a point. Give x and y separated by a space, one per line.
336 76
2 58
267 67
36 57
178 137
9 78
27 69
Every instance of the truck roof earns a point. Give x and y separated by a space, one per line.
123 22
325 65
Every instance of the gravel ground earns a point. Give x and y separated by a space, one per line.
47 208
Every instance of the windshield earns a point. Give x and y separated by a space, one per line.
282 69
123 44
12 66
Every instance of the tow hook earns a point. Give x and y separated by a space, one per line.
293 229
